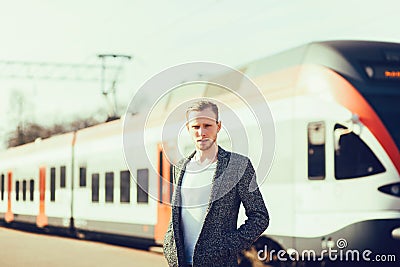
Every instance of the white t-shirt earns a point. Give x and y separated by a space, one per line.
195 194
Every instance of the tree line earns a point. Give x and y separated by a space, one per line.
29 131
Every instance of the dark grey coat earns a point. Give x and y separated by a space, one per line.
220 241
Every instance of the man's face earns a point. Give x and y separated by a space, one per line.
203 128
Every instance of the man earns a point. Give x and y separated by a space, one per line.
209 186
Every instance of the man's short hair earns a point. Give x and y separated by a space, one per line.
202 105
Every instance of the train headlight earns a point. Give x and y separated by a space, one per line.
395 189
391 189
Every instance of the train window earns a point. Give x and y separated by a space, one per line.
17 190
142 186
31 188
95 187
82 176
353 158
125 187
109 187
2 187
316 151
62 176
24 190
53 184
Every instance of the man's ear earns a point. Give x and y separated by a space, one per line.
218 126
187 126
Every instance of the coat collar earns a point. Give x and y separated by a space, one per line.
222 160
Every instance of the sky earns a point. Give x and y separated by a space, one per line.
159 34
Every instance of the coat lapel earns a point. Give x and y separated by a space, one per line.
176 208
222 163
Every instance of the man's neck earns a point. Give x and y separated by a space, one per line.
206 156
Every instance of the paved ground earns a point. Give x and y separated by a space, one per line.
19 249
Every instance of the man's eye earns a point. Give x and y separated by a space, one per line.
196 127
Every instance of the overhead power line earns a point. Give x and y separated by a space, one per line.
53 71
111 92
107 74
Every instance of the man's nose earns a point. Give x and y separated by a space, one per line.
202 131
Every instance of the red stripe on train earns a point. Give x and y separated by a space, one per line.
9 217
349 97
41 219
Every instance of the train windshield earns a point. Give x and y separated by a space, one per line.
386 103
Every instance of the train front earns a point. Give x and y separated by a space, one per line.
364 79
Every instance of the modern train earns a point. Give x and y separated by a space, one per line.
335 174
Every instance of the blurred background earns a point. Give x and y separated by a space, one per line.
53 52
67 65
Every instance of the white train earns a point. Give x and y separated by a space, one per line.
335 174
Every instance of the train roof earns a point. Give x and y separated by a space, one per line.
343 56
346 57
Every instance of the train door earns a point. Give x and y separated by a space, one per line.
41 219
313 185
164 194
9 217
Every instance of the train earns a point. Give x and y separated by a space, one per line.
334 177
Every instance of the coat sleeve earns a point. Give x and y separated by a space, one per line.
256 212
